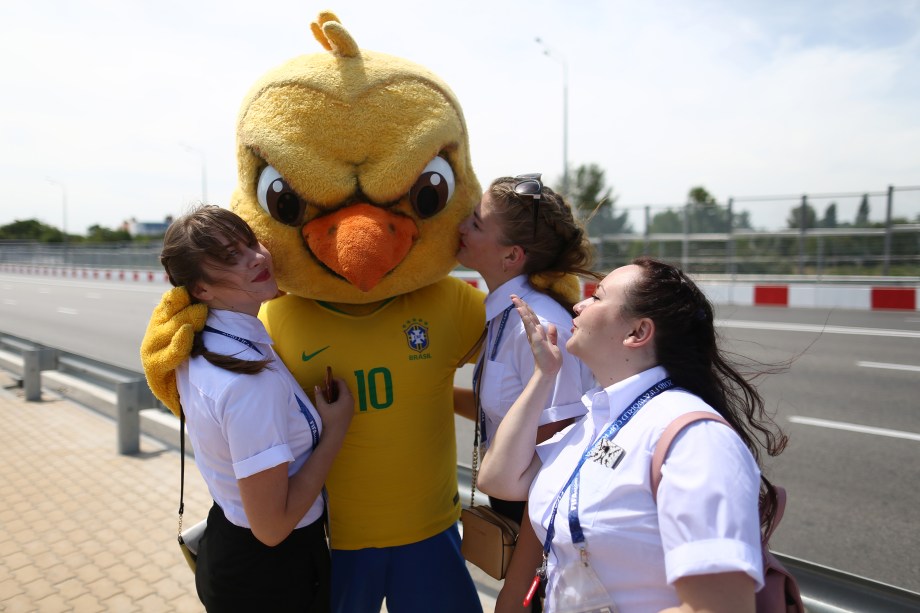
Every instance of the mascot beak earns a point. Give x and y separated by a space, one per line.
362 243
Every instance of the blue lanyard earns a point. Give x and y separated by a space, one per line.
311 421
240 339
477 372
611 431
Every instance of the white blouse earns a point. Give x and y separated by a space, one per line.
504 377
706 520
240 425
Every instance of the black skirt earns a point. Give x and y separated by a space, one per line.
237 572
512 509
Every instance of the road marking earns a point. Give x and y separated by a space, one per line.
94 296
840 425
66 311
889 366
9 301
769 325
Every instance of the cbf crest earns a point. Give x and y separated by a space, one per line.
416 331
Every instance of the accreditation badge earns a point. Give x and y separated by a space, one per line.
579 590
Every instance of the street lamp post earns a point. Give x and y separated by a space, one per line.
565 112
63 205
204 170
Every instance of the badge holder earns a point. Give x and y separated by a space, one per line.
579 590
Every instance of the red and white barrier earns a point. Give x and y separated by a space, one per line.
93 274
818 295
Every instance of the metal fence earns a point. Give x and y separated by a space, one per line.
845 233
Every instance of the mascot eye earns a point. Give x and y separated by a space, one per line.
277 197
433 189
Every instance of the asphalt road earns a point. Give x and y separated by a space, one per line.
849 400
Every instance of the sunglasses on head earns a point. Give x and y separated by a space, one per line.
530 185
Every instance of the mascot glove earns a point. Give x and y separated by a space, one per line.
168 342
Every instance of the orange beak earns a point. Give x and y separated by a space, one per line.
361 242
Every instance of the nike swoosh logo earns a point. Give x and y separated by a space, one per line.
307 358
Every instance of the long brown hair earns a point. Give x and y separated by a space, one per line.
556 244
200 237
687 346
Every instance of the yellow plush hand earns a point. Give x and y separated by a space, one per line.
168 342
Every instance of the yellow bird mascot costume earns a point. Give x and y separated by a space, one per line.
354 172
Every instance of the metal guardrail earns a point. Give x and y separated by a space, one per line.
117 392
824 589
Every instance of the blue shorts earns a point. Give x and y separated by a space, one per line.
422 577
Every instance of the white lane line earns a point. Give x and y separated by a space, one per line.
840 425
768 325
67 311
907 367
9 301
94 296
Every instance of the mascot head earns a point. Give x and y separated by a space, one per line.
354 171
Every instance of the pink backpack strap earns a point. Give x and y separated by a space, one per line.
668 436
780 507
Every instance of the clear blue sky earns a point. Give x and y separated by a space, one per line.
746 98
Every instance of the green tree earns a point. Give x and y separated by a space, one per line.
862 215
830 216
98 234
706 215
742 220
593 200
794 221
667 222
31 229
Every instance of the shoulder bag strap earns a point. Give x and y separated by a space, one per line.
182 468
668 436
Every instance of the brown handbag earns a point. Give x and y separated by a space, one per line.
488 536
488 539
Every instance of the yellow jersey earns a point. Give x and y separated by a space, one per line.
394 481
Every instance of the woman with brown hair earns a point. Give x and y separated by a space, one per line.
263 448
523 239
647 333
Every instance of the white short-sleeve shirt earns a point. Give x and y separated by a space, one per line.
706 519
239 424
504 377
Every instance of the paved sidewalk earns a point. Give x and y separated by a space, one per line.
83 528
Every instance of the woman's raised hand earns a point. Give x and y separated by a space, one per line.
547 356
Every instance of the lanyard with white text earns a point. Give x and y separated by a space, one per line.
477 373
575 530
240 339
311 421
608 434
